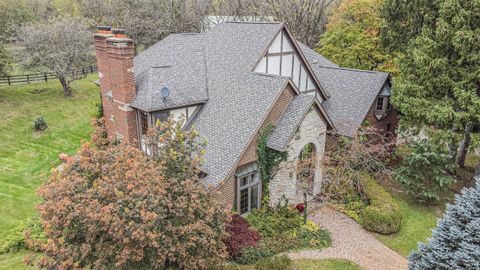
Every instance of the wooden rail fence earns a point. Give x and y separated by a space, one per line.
28 78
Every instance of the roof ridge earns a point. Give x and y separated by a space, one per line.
353 69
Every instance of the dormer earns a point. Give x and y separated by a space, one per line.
382 103
283 58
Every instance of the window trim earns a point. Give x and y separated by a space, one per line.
256 181
382 104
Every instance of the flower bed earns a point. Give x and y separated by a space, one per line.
281 229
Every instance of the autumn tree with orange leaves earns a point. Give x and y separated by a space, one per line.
117 208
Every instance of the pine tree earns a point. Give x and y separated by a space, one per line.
455 243
404 21
439 82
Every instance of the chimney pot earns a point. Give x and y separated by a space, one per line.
119 33
104 29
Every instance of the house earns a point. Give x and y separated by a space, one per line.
230 83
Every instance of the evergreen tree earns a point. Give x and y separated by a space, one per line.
455 243
352 36
405 19
439 82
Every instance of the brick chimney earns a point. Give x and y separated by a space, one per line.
115 52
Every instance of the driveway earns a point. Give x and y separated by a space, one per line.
351 242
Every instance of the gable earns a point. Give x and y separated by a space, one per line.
282 58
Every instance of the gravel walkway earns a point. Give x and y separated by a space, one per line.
351 242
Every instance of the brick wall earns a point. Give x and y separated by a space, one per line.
115 66
382 124
273 116
227 190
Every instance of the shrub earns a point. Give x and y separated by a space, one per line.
120 209
274 263
40 124
22 237
454 243
383 214
240 236
99 134
279 220
426 171
311 235
251 255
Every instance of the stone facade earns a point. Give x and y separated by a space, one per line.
312 130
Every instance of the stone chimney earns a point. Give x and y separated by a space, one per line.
115 52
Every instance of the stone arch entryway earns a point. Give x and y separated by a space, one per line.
305 169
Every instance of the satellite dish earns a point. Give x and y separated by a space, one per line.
165 92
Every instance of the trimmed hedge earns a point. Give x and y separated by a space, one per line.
383 214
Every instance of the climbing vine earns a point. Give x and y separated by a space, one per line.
268 160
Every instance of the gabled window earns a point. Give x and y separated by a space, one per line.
283 60
380 101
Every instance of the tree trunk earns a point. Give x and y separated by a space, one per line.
464 145
66 87
452 148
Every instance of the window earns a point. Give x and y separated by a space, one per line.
249 192
380 103
389 127
144 122
160 116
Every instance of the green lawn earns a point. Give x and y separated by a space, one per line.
330 264
11 261
26 157
419 220
417 224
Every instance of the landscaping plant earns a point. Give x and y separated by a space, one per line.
382 214
455 243
121 209
40 124
240 236
282 229
100 134
426 171
350 164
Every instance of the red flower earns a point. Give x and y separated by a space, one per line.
300 207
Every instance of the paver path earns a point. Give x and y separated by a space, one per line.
351 242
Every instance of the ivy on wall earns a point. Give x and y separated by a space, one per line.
268 160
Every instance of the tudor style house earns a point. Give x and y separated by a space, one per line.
230 83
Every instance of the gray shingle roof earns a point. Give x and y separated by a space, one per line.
289 122
238 98
352 93
179 64
315 58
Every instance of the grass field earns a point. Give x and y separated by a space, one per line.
27 157
417 224
331 264
419 220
